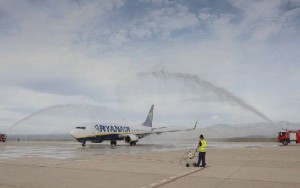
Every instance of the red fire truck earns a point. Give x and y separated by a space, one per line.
288 136
2 137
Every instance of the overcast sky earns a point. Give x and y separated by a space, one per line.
112 53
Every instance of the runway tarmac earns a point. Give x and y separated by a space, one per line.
68 164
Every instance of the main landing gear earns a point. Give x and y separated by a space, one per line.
83 143
113 143
132 143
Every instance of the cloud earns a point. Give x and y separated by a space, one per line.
166 20
90 52
215 117
154 23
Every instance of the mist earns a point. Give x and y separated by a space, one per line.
222 93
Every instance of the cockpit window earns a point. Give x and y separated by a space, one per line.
80 127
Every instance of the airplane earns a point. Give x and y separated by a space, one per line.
112 132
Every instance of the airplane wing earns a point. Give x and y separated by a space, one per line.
160 130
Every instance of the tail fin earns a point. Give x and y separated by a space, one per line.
148 122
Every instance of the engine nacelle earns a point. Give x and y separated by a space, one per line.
131 138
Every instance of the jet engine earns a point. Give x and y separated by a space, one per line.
131 138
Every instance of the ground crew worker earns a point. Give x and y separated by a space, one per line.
202 151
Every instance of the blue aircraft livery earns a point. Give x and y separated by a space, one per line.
109 128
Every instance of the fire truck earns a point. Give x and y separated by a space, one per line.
288 136
2 137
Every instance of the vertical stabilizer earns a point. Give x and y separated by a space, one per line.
148 122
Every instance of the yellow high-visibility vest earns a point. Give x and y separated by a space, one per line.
202 148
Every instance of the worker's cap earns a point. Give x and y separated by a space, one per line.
201 136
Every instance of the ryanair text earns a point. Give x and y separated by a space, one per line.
105 128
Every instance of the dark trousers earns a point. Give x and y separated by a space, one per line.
201 158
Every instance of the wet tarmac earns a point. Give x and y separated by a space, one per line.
70 149
150 164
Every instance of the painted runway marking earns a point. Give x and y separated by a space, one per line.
173 178
153 184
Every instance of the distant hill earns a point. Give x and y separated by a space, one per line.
251 130
57 137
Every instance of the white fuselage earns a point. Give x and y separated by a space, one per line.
109 131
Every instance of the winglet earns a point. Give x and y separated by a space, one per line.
195 124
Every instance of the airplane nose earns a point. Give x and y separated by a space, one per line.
74 133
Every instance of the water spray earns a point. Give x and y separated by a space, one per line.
221 92
61 109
